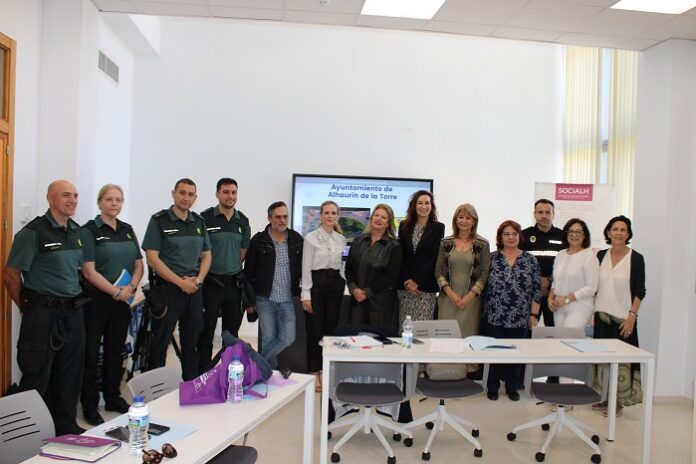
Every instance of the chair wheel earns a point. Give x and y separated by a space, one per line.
596 458
474 432
511 436
545 427
396 437
540 456
329 435
391 460
425 456
335 457
478 453
429 425
595 439
408 442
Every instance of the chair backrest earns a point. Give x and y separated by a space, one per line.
445 328
572 371
155 383
24 422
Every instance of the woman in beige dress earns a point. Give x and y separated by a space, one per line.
461 272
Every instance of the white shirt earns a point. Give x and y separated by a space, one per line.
614 291
321 250
577 274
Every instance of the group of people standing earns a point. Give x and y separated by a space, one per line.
65 280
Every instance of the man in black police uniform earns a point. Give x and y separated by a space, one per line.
229 232
544 241
178 252
42 277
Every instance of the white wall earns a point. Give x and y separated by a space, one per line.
71 121
665 201
258 101
22 22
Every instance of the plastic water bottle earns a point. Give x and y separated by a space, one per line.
407 333
235 376
138 423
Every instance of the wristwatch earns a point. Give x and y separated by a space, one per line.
566 301
199 283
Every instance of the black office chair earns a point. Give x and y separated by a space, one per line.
236 454
563 395
444 390
368 386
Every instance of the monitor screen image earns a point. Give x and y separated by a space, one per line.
356 196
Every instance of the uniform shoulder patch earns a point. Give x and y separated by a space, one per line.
35 222
243 216
207 210
196 215
159 214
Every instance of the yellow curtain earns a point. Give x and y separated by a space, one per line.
582 142
622 129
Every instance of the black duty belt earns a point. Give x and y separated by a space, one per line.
234 280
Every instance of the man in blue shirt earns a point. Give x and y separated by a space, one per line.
274 266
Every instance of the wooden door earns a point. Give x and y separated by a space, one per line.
7 86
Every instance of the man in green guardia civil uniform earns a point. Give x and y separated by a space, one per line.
42 277
177 249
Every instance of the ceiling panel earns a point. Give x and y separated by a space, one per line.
459 28
390 23
263 4
315 17
333 6
589 22
245 13
616 23
172 9
552 16
526 34
682 26
479 11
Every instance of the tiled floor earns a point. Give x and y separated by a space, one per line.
279 439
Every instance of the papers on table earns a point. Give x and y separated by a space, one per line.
587 345
480 343
357 341
449 345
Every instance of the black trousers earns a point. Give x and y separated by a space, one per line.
187 310
50 354
327 296
225 301
107 318
510 373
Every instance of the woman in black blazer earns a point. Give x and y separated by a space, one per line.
420 235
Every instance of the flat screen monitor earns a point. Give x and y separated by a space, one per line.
356 196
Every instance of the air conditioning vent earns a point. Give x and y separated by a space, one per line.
109 67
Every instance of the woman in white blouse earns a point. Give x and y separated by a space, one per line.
575 276
322 282
619 295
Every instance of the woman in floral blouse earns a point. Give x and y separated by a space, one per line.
511 301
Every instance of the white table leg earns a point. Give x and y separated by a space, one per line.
648 377
308 449
613 392
324 429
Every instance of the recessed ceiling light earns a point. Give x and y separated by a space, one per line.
656 6
416 9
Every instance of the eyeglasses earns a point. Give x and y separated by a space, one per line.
151 456
510 234
576 232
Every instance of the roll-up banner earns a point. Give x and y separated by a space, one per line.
593 203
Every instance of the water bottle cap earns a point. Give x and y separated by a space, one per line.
236 358
138 399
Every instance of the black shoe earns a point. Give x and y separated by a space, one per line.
492 395
74 429
92 417
513 395
117 405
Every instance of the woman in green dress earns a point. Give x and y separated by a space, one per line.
461 272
